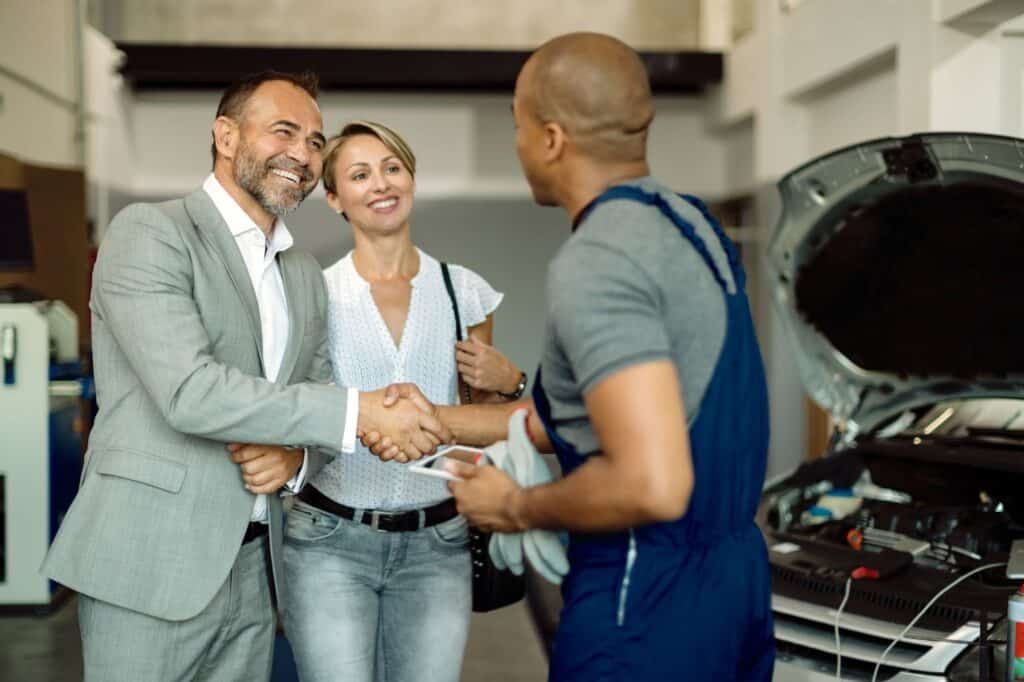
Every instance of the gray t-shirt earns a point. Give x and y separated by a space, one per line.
628 288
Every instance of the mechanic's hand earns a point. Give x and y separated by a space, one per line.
266 468
487 497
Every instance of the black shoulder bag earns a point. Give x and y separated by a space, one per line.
492 588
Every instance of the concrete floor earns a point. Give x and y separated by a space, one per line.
503 647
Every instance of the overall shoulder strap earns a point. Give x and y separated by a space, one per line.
727 244
631 193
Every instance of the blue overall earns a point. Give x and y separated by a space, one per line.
688 599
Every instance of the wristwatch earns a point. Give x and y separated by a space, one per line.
518 393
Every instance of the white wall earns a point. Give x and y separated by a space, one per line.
827 73
831 72
38 82
524 24
857 107
45 117
110 153
464 143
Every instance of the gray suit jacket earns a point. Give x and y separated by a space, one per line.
161 511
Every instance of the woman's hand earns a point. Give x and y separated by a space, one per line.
266 468
484 368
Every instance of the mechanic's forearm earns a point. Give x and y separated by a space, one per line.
595 497
479 424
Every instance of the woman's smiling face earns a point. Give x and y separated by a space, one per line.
374 188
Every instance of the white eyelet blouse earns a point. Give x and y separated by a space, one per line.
364 356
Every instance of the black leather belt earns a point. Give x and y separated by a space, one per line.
253 531
389 522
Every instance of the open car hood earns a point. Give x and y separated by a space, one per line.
898 272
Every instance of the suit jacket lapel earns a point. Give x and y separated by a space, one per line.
211 225
291 275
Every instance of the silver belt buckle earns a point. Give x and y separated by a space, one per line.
375 521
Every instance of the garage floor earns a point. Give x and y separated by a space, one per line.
503 647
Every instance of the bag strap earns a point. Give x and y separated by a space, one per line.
451 295
466 397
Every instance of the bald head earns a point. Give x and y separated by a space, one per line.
596 88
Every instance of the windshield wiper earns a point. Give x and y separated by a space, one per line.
974 439
992 432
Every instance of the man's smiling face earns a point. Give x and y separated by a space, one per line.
278 158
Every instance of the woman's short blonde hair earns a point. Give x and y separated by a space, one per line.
390 139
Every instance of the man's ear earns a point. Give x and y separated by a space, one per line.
225 136
554 141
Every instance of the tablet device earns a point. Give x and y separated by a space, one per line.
434 465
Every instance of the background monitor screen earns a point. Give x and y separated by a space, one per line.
15 231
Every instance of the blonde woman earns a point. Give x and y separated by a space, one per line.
377 570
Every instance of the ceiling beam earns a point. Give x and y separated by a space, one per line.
149 66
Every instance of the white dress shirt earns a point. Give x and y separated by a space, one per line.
260 257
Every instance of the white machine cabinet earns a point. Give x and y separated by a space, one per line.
39 462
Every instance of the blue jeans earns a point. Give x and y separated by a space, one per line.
369 606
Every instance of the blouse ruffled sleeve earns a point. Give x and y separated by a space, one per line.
477 298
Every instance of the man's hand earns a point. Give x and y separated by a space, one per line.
485 368
487 497
266 468
400 423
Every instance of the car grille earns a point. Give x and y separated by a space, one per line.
867 598
810 626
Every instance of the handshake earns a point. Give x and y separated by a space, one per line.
396 423
399 423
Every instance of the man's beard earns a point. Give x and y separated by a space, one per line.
256 178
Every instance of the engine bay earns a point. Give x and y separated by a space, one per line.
903 514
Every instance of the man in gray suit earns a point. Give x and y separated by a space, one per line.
208 329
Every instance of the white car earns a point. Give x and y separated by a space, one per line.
897 270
